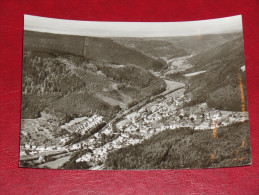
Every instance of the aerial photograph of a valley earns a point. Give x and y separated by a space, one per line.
131 96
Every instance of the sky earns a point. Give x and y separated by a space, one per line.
133 29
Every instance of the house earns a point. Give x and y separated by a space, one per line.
125 135
41 159
107 131
40 148
216 117
64 140
33 152
97 135
174 126
192 117
151 131
48 148
27 146
75 147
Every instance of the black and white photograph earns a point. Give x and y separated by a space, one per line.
133 95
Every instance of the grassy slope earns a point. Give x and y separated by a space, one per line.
185 148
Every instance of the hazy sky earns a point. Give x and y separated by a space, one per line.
132 29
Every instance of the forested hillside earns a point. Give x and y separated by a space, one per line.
186 148
73 85
223 81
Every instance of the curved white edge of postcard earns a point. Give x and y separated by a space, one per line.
133 29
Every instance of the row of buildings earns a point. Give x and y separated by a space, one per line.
89 124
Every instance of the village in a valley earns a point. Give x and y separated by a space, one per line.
168 110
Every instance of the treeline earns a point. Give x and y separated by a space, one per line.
128 74
186 148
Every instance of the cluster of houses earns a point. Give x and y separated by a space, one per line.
167 113
80 125
88 124
31 149
154 118
136 127
99 154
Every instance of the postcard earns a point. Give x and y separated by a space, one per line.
133 95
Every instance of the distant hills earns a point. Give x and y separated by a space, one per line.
89 47
196 44
154 48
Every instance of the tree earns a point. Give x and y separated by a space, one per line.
117 107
